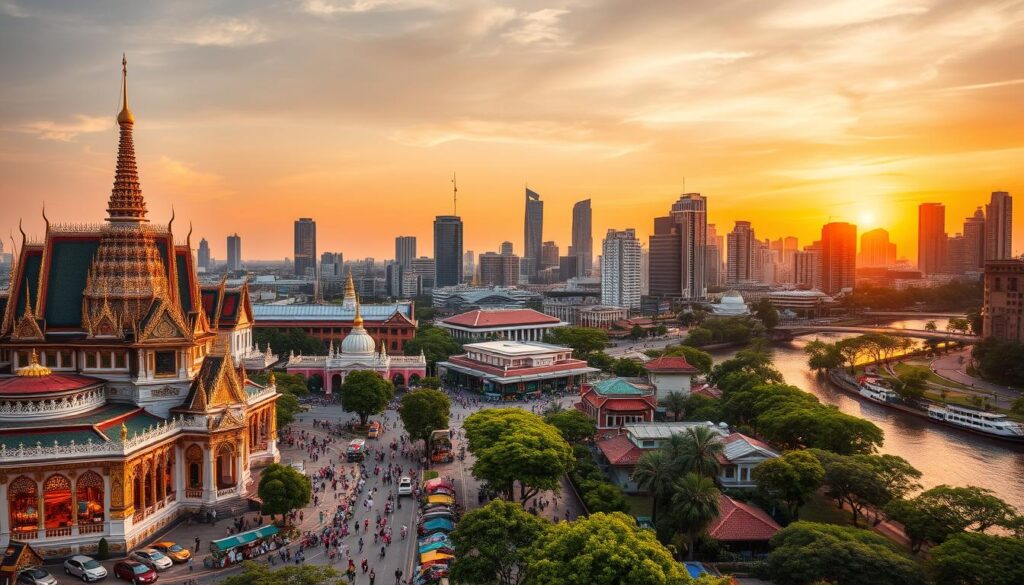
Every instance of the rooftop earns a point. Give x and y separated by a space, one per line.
670 364
661 430
515 348
618 387
329 312
482 318
738 521
52 384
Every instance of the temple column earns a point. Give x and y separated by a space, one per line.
41 507
152 481
209 475
74 507
4 518
179 471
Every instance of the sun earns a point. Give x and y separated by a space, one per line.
866 219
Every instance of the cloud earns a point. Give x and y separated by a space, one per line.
539 28
50 130
13 10
226 32
180 175
332 7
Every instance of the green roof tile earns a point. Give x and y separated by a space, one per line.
69 267
618 387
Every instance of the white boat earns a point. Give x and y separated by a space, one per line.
876 391
978 421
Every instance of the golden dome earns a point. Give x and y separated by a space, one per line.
34 369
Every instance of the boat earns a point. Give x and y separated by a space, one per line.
876 390
977 421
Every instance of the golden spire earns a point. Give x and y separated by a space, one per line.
34 369
124 432
358 321
126 202
350 287
125 116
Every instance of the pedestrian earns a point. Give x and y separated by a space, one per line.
373 576
398 576
197 544
190 562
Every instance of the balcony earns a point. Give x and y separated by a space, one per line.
94 528
228 491
194 492
58 532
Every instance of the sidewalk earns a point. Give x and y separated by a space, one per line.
951 367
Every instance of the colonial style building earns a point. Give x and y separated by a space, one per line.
615 402
358 352
670 374
120 404
511 324
510 370
394 324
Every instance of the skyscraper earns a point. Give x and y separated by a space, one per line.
714 257
405 250
876 250
838 257
533 227
999 227
204 254
931 238
807 267
499 269
234 252
620 269
447 250
582 236
305 246
468 266
740 258
548 255
974 242
506 248
677 263
330 264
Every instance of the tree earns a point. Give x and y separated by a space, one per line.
977 559
823 356
365 392
574 426
806 552
601 549
626 368
653 473
600 360
286 341
493 543
675 402
975 321
583 340
512 445
636 332
283 489
603 496
694 507
254 573
767 313
910 385
435 343
696 451
958 325
697 358
424 411
699 337
852 482
285 408
931 326
852 349
792 478
432 382
937 514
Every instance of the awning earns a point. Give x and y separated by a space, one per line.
440 523
438 482
440 499
431 557
243 538
434 546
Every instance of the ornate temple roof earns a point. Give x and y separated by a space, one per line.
330 312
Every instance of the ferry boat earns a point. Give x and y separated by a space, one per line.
977 421
876 390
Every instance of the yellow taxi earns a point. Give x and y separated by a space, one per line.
175 551
375 430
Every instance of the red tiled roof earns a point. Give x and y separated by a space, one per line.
670 364
485 319
620 450
706 390
628 404
738 521
561 366
15 385
731 437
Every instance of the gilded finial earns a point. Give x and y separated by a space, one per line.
125 116
124 432
34 369
272 379
46 219
358 321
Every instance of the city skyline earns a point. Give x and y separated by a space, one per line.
225 151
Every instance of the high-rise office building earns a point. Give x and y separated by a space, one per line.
331 264
999 227
423 269
715 257
204 254
876 250
931 238
305 246
498 269
838 257
533 228
447 250
505 248
807 267
234 252
678 250
405 250
741 255
620 269
974 242
582 236
468 266
548 255
394 278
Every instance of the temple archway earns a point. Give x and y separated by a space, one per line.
137 487
335 383
23 505
168 475
194 462
226 473
57 501
414 379
89 491
398 380
147 481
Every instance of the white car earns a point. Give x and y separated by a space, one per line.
85 568
405 486
152 558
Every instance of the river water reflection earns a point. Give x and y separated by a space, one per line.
944 455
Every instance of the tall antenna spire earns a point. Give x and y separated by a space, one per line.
455 196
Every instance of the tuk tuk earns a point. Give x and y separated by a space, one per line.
441 446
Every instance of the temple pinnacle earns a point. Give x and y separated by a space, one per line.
125 116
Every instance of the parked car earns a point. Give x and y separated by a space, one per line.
178 553
135 572
35 576
152 558
85 568
405 486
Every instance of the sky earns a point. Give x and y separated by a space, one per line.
250 114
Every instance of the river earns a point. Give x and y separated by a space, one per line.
943 455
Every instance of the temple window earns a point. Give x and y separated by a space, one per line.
50 359
194 458
23 358
166 364
105 360
225 466
121 360
89 490
57 502
23 502
67 359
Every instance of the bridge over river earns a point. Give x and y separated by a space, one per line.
790 331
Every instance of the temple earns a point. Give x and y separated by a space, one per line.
124 403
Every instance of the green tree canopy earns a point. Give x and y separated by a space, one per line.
424 411
286 341
432 382
866 481
822 355
910 385
807 552
254 573
767 313
583 340
283 489
654 473
937 514
626 368
574 426
366 393
696 450
493 543
675 402
436 344
697 358
694 507
977 559
602 549
792 478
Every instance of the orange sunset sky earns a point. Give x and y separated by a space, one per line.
356 112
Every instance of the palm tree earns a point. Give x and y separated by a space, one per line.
694 507
697 451
653 473
675 402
